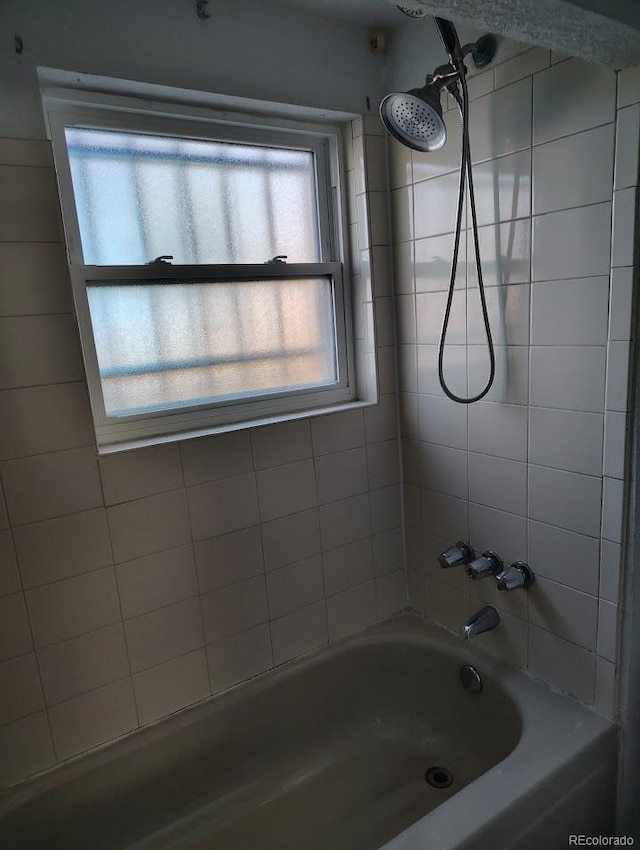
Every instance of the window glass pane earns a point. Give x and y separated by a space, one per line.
140 196
173 344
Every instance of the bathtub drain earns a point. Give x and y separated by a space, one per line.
438 777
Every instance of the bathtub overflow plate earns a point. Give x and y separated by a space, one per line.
470 678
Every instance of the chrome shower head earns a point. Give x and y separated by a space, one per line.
414 118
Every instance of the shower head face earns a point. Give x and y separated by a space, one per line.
414 118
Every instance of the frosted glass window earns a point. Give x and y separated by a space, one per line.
165 345
139 196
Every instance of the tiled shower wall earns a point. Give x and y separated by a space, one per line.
536 470
138 583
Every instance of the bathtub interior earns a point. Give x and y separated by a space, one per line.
328 752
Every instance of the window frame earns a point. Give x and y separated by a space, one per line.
79 108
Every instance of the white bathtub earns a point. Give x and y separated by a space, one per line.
329 753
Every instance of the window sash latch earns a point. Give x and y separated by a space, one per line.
279 258
163 260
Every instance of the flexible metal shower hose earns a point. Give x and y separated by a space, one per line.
466 175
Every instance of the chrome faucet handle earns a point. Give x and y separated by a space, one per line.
487 564
457 555
517 575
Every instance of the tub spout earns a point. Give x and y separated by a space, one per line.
484 620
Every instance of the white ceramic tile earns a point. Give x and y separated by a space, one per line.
621 304
624 223
376 162
605 701
406 318
569 667
171 686
391 594
444 469
20 688
30 212
571 97
381 420
44 419
503 188
363 233
501 121
505 253
570 312
286 489
293 587
239 657
404 270
229 558
430 309
94 718
612 509
454 365
37 350
416 592
568 558
445 606
51 485
4 518
379 217
359 164
498 429
382 284
155 581
348 566
25 748
233 609
341 475
412 474
498 483
383 464
164 634
524 65
388 552
34 152
387 368
610 556
629 86
565 499
351 611
285 442
223 506
73 607
508 309
573 171
82 664
9 575
402 214
480 83
386 508
500 531
337 432
15 635
34 279
299 633
572 243
445 160
435 206
511 383
400 173
564 611
344 521
144 472
433 263
617 375
384 321
627 143
212 458
607 630
149 525
443 421
509 641
614 444
571 378
566 439
290 539
445 516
